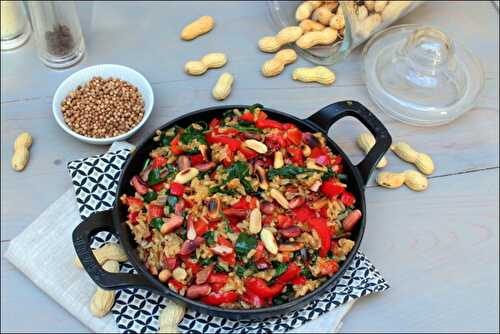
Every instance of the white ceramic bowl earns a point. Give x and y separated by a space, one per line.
104 71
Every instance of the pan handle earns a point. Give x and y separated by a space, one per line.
97 222
333 112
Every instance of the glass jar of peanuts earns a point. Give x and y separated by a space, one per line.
332 29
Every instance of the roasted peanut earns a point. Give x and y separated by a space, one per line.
179 274
379 6
421 160
370 5
276 65
103 300
337 22
394 10
311 164
368 25
361 13
411 178
278 197
313 38
21 151
255 221
186 175
222 88
198 27
278 159
306 150
366 141
305 9
164 275
319 74
211 60
284 36
267 237
322 15
310 25
256 146
170 317
261 174
111 251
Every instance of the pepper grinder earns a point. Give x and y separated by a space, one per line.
57 32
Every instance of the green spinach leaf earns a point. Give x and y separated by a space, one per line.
157 223
244 244
150 196
209 238
289 171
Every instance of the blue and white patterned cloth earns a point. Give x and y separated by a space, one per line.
136 311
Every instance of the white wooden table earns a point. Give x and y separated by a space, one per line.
438 249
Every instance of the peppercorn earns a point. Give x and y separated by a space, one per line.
103 108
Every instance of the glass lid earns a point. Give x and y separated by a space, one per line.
419 76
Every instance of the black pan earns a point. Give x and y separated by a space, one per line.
112 220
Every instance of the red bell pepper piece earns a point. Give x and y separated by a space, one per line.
177 189
217 286
294 135
347 198
242 204
171 262
158 187
227 131
261 114
196 159
331 189
139 185
230 259
132 217
259 287
268 124
287 126
328 267
319 224
194 266
215 298
201 227
276 140
134 203
259 251
175 284
248 153
291 272
296 155
252 299
228 159
304 213
247 116
299 280
218 278
232 143
214 123
159 162
174 146
323 212
317 151
154 211
284 221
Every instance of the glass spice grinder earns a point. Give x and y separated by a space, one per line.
57 32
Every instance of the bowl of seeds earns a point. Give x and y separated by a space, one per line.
102 104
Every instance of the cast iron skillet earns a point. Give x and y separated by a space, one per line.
112 220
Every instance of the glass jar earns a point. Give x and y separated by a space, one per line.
15 27
58 33
361 19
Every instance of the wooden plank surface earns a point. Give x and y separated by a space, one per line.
425 265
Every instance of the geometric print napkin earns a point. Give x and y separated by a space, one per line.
136 310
